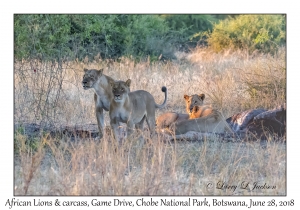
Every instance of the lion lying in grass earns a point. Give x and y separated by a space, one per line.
212 122
203 118
194 108
259 122
200 118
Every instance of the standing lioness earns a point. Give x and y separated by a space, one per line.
132 108
103 93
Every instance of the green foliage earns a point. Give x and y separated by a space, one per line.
184 27
140 33
78 36
57 37
190 23
41 35
251 32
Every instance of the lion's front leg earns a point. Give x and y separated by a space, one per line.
151 124
130 127
100 121
116 131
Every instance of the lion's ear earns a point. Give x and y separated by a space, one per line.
85 70
99 72
112 83
127 83
202 96
186 97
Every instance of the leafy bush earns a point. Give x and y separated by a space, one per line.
41 35
190 24
78 36
184 27
57 37
251 32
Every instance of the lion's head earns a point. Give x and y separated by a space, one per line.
120 90
193 100
90 77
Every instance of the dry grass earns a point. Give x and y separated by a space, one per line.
232 82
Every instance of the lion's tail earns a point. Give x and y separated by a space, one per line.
163 89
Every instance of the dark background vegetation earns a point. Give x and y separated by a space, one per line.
69 36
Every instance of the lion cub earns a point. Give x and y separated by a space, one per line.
132 108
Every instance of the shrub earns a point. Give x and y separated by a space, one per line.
184 27
251 32
41 35
77 36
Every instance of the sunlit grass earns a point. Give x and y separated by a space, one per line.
232 82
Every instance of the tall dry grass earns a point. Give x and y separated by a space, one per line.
87 167
50 94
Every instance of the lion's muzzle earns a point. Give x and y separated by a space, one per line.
117 98
85 85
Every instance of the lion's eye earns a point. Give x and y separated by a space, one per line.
195 102
114 89
122 89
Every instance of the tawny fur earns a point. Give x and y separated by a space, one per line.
193 100
132 108
100 83
213 122
167 119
